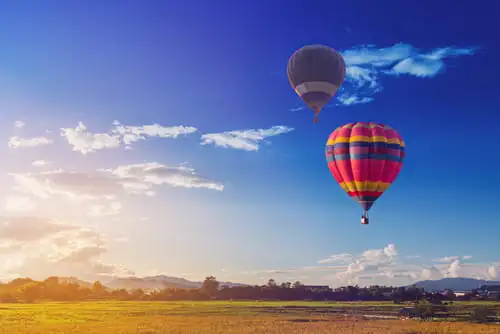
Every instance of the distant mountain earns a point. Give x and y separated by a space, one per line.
456 284
157 282
151 282
75 280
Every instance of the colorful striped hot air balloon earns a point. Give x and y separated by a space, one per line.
316 72
365 158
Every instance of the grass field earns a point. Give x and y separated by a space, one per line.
221 317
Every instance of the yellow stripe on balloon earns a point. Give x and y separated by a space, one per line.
364 186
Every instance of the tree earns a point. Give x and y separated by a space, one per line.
482 314
426 311
414 293
7 297
271 283
52 281
286 285
352 291
51 285
450 295
137 294
71 291
98 289
31 291
120 294
210 286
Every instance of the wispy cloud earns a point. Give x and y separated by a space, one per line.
138 179
350 99
19 204
130 134
429 64
28 229
449 259
53 248
141 177
19 124
84 141
247 140
296 109
366 65
18 142
73 185
41 163
102 210
337 258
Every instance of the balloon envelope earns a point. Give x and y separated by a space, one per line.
365 158
316 72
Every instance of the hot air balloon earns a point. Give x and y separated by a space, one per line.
316 72
365 158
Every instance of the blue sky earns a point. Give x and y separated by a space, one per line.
165 138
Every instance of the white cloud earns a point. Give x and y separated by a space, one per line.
431 273
40 247
337 258
492 273
18 142
379 266
430 64
297 109
107 184
101 210
351 269
447 259
350 99
369 260
19 124
362 76
72 185
19 204
41 163
29 229
130 134
141 177
419 66
458 269
86 142
366 64
247 140
378 57
454 269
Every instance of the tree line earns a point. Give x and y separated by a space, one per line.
55 289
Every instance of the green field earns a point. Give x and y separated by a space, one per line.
225 317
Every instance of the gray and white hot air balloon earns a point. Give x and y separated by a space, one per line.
316 72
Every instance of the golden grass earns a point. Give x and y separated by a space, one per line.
199 317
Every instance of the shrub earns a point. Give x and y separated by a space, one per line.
482 314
